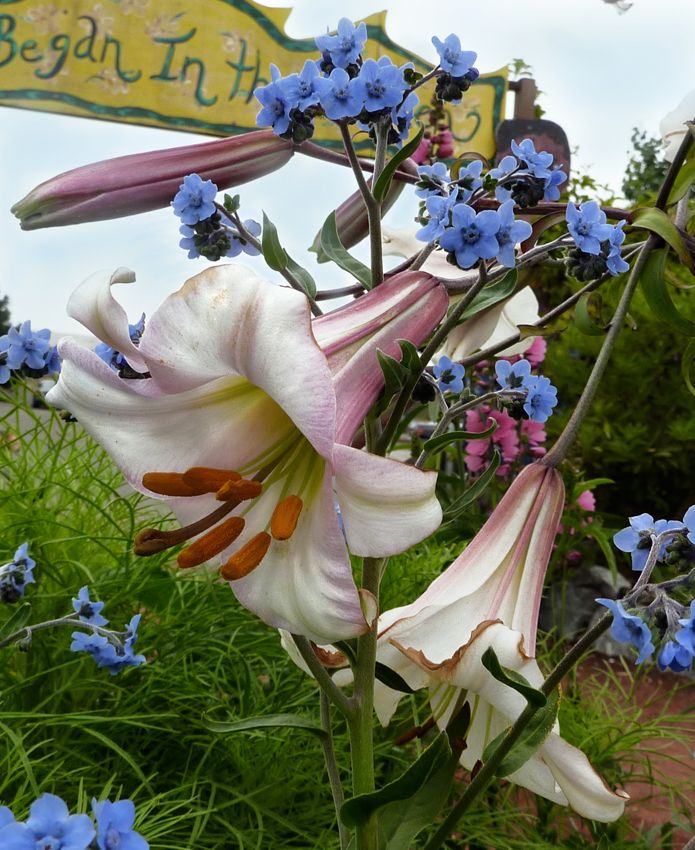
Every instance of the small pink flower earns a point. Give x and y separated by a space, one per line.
587 501
536 353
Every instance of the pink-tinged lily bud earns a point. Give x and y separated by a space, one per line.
137 183
351 219
408 306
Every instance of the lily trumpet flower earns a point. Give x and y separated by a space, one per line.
243 422
128 185
489 597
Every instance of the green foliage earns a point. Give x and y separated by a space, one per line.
646 168
640 426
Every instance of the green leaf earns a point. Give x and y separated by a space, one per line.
584 317
391 679
294 721
531 740
658 296
273 252
383 182
333 248
656 221
436 444
511 678
306 281
605 542
411 357
684 180
395 374
492 294
687 365
359 809
581 486
18 619
459 505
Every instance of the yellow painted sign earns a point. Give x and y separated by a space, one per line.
186 65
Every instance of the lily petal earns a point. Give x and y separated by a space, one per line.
386 506
94 306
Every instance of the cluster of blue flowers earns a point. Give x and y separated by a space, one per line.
541 395
206 229
664 623
538 401
15 576
113 650
598 243
29 352
449 215
114 358
50 826
342 86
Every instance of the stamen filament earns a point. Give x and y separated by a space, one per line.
285 517
247 558
212 543
150 541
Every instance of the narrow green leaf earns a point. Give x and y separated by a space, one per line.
459 505
359 809
605 542
305 280
383 182
658 296
436 444
581 486
294 721
511 678
391 679
552 329
395 374
687 365
18 619
411 357
492 294
333 248
583 318
684 180
273 252
656 221
531 739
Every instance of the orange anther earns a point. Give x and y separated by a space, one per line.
211 543
209 478
285 517
169 484
240 489
247 558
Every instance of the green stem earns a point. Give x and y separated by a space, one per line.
373 208
332 768
360 724
319 672
49 624
565 440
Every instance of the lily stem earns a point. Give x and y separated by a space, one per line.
319 672
332 768
360 723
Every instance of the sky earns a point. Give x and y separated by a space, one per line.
601 73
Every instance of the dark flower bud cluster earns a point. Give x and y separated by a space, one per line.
451 89
15 576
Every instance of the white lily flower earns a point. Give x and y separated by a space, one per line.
673 127
487 327
242 420
490 596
